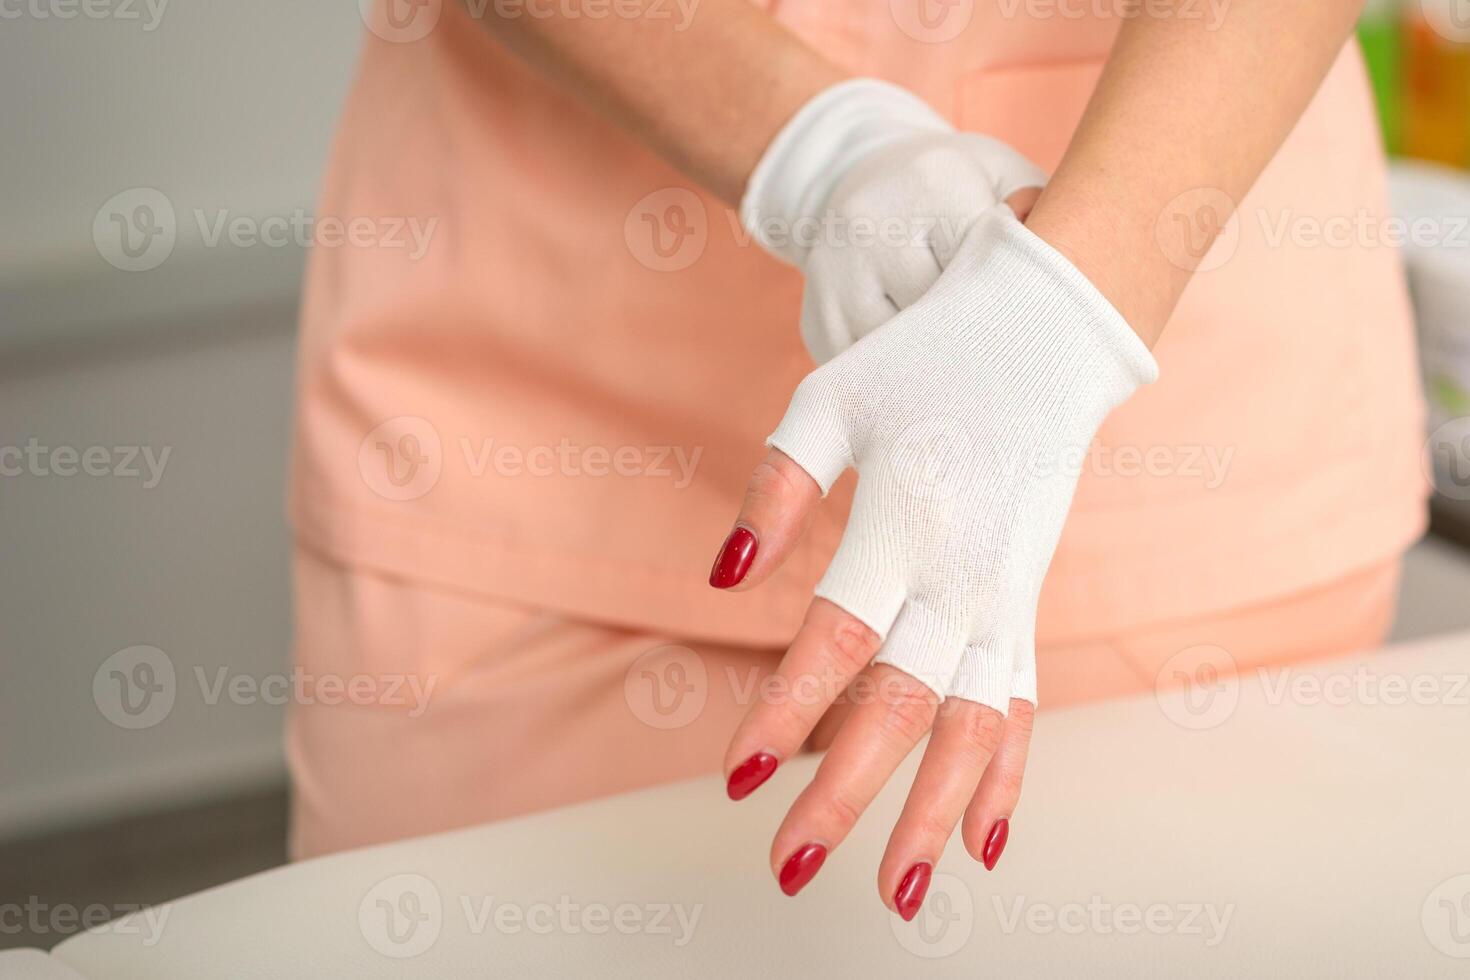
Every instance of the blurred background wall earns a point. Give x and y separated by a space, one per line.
224 108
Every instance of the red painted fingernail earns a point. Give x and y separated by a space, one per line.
735 558
995 843
748 776
802 867
912 889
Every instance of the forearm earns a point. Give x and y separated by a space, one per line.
1181 109
707 94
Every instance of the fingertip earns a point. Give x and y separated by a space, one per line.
909 895
735 557
995 843
801 867
780 500
749 775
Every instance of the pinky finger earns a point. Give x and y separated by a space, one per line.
987 823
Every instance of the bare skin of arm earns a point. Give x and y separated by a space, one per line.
1179 108
708 98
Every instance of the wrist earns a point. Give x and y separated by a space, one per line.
1124 264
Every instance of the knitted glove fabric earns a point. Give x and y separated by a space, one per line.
869 191
961 415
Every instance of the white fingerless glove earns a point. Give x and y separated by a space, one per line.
964 416
869 191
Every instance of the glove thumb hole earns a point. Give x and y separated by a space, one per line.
812 433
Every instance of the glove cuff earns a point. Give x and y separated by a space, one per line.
835 129
1035 291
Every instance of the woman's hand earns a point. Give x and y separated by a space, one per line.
972 766
868 191
961 416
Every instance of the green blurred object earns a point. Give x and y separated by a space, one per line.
1380 33
1446 391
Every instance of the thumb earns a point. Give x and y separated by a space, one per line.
780 500
809 451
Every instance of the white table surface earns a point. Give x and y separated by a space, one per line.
1307 822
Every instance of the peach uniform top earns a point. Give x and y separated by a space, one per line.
555 398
